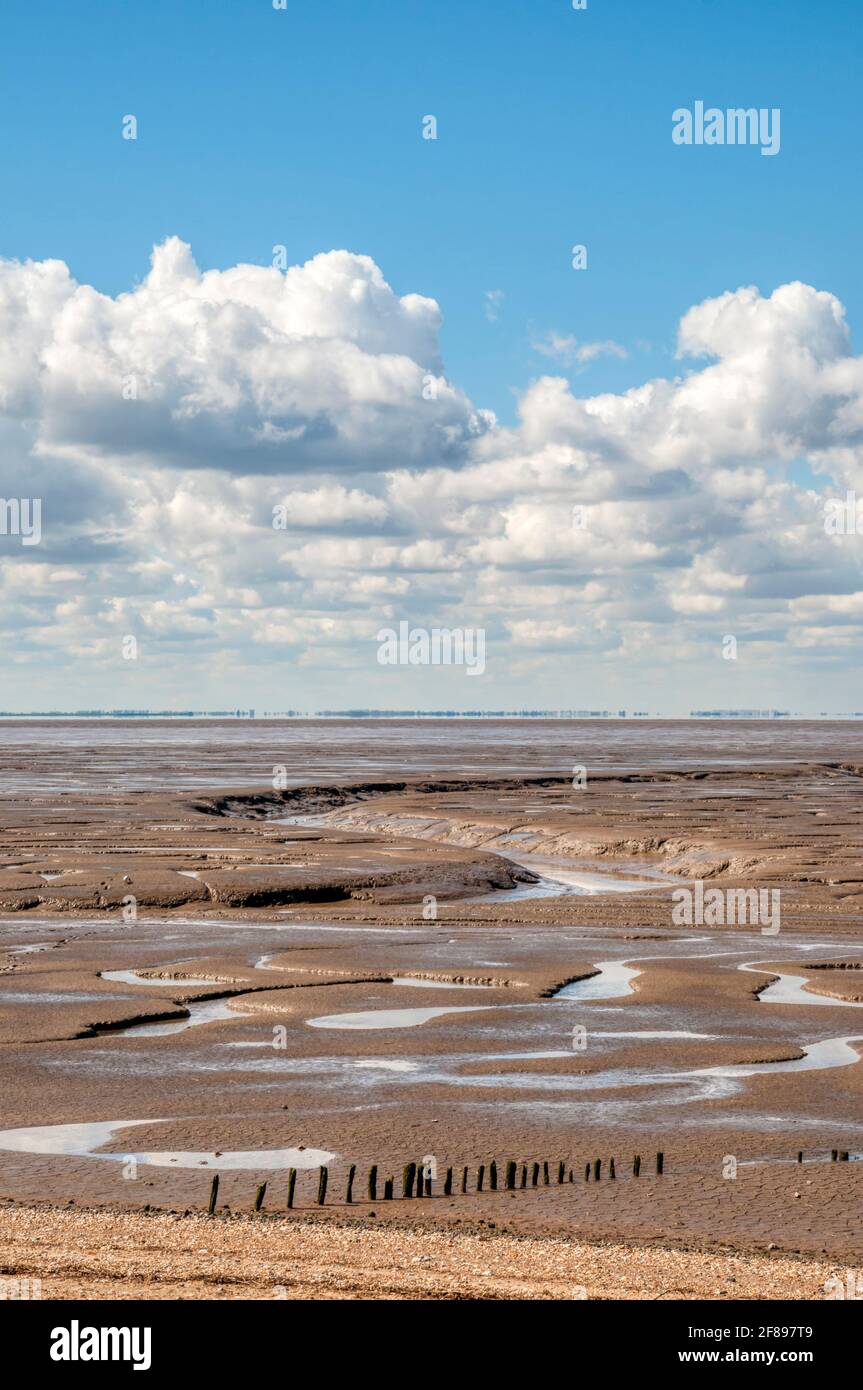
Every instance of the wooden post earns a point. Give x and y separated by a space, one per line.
464 1180
636 1166
561 1172
492 1176
534 1175
545 1174
480 1177
510 1174
322 1186
292 1182
214 1193
597 1169
799 1155
373 1182
447 1183
524 1175
259 1197
349 1194
660 1163
409 1173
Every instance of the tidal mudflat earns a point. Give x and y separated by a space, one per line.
431 947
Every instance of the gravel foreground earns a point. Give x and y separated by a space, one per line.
109 1255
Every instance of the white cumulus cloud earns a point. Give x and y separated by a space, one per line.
637 526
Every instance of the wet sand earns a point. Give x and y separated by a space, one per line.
387 970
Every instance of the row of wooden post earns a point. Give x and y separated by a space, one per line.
417 1181
836 1156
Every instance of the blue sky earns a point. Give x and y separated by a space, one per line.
694 422
301 127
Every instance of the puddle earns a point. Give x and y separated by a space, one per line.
382 1064
208 1011
557 879
130 977
544 888
657 1033
387 1018
790 989
84 1141
614 978
612 982
819 1056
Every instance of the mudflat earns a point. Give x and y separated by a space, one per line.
246 948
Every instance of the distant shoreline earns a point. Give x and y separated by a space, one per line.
360 716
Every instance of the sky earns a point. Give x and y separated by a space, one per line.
280 299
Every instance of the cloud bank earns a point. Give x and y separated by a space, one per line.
601 542
247 370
